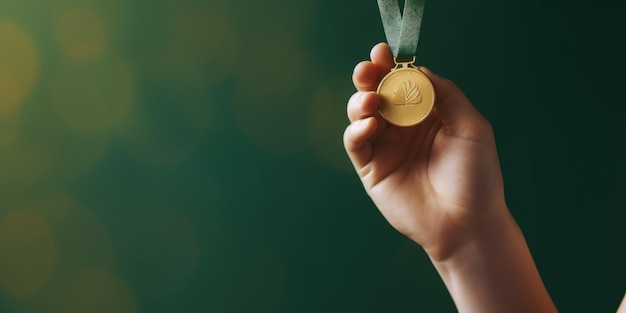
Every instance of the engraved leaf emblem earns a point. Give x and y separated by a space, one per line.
407 94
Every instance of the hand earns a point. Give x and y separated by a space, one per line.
436 182
440 184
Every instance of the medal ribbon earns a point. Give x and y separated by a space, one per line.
402 29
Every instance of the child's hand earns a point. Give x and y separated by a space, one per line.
436 182
439 183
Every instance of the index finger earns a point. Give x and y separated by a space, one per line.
368 74
382 58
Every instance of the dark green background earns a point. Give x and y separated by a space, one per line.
226 189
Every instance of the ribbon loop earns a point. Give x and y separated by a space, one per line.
402 29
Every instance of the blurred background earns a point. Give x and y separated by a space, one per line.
186 156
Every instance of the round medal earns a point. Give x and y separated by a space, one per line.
407 96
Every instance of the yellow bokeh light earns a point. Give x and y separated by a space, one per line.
92 95
82 238
18 66
74 154
93 290
22 165
328 121
27 253
83 247
9 124
80 32
10 97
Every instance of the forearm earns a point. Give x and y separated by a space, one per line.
495 272
622 307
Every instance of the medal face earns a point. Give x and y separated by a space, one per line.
407 96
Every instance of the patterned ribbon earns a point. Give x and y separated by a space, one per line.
402 28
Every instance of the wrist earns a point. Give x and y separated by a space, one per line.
482 244
494 271
478 231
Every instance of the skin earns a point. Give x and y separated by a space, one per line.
622 307
439 183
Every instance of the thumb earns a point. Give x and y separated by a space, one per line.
456 112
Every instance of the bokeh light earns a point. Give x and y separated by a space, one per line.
92 95
83 239
9 125
27 253
83 253
80 32
18 66
76 154
23 166
95 290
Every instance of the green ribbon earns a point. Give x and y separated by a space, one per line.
402 28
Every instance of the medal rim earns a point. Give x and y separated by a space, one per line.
411 69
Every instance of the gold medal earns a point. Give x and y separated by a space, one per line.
407 95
